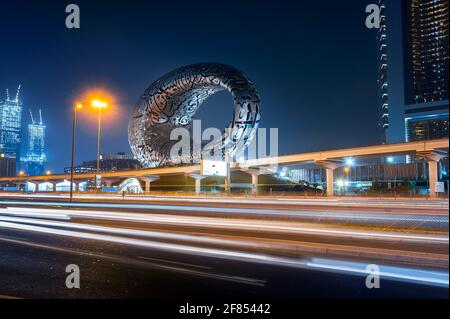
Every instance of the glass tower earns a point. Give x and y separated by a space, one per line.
382 71
413 74
427 51
10 125
35 158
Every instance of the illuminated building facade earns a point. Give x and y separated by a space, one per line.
382 71
414 36
10 125
108 163
35 158
7 165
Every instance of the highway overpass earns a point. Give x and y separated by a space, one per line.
432 151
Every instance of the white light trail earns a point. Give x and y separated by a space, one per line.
434 278
226 223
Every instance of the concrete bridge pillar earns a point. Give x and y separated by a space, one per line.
36 186
330 166
432 158
255 183
433 176
197 178
148 179
108 183
254 172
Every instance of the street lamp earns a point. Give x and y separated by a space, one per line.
98 104
76 107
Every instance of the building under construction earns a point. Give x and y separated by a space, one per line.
35 158
10 125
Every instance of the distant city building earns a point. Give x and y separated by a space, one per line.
7 165
35 158
413 69
10 125
114 162
365 173
382 71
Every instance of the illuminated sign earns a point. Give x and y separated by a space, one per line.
214 168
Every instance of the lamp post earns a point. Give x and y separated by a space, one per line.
98 105
74 128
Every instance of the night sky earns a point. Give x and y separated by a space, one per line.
314 64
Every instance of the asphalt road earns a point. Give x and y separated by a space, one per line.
175 248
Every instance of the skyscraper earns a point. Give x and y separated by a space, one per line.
413 73
382 71
35 158
10 125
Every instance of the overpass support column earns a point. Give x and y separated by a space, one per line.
255 183
330 166
147 182
432 159
255 172
36 185
198 178
330 181
433 176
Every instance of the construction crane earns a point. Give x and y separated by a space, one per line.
32 118
18 92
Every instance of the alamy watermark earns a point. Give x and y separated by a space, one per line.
374 18
373 277
73 17
73 279
223 145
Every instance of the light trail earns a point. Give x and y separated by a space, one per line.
427 277
356 202
292 247
154 263
226 223
437 278
249 211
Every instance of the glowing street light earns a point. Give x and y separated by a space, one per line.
98 104
48 172
349 161
21 173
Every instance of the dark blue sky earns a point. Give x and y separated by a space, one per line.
313 62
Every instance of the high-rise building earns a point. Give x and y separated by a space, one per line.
382 71
7 165
413 73
10 125
35 157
